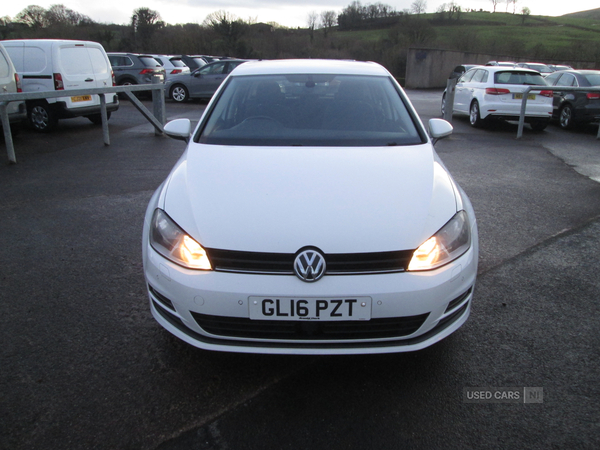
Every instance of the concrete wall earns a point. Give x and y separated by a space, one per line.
430 68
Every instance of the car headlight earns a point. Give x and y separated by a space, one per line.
173 243
453 240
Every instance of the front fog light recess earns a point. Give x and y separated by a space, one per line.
450 242
174 244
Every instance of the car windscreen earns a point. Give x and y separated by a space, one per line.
310 110
517 77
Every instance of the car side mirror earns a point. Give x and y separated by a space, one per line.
439 128
179 129
197 74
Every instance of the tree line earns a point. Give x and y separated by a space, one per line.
329 34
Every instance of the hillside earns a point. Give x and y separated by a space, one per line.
593 14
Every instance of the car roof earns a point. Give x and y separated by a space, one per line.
506 69
310 66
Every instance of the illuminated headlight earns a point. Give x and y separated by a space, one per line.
453 240
173 243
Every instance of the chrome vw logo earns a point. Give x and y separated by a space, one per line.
309 265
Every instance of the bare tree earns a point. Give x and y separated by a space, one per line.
312 20
33 15
514 3
525 12
418 7
495 3
61 15
328 19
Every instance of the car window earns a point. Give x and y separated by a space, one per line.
177 62
149 61
518 77
75 61
310 110
479 76
120 60
232 65
213 69
594 79
467 76
567 79
159 61
551 79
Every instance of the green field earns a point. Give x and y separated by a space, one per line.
566 38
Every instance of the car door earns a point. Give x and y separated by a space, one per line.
206 80
77 72
560 97
463 92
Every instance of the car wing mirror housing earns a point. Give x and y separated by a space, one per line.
180 129
439 128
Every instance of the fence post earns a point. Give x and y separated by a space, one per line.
158 102
449 99
104 117
10 148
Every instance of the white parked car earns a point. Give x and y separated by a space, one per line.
496 92
310 214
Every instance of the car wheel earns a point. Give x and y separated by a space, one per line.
41 117
474 116
122 95
565 117
96 119
179 93
443 105
538 125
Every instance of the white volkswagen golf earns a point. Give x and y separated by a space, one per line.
310 214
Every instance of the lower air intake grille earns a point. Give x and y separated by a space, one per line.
292 330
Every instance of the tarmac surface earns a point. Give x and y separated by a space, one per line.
85 366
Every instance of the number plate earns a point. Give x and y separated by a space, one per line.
326 309
520 96
81 98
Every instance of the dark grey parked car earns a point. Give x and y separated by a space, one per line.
571 108
132 68
202 82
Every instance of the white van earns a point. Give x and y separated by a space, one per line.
52 64
10 83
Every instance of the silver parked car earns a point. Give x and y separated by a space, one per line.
202 82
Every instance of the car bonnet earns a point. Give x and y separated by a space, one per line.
280 199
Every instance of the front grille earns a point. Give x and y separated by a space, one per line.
297 330
283 263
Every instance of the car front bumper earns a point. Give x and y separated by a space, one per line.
409 310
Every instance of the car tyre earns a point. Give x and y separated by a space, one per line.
565 117
443 108
41 117
474 115
179 93
538 125
96 119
